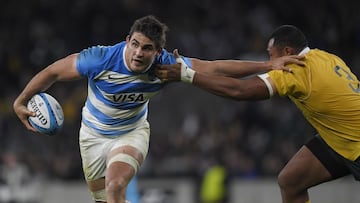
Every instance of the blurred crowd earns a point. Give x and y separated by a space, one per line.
191 129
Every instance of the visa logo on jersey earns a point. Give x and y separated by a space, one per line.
128 98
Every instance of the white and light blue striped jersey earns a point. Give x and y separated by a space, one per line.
118 98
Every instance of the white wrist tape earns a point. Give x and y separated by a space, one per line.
187 74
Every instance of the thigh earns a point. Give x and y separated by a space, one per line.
137 139
127 153
331 160
93 154
92 149
304 170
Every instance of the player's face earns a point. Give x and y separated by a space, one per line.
140 52
273 51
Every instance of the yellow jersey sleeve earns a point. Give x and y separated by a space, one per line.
295 84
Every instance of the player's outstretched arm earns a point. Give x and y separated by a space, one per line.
254 88
242 68
230 68
61 70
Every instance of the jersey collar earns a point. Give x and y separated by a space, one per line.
304 51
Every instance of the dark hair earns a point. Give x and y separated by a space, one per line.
152 28
289 35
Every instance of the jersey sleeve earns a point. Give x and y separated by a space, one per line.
295 84
169 58
91 61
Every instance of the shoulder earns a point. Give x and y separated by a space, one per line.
99 54
96 58
296 84
101 51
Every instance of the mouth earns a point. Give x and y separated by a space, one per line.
137 62
137 65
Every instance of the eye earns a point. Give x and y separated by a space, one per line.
134 44
148 48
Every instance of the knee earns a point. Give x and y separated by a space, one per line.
292 187
115 185
285 180
290 182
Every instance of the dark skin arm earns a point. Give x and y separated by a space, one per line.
250 89
229 68
241 68
253 88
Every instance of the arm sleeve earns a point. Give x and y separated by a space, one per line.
264 77
91 61
294 84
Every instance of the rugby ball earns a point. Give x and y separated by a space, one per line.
49 118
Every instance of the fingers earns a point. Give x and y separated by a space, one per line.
176 53
288 70
297 59
23 113
29 127
298 62
26 122
301 56
170 72
286 60
162 74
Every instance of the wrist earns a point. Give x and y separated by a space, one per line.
186 74
268 65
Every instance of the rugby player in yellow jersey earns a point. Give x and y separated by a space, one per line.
325 90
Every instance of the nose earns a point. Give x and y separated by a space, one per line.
139 51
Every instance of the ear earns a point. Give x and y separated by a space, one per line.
289 51
127 38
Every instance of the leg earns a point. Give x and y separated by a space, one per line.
97 188
116 159
123 163
303 171
94 162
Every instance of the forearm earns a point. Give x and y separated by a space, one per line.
237 89
215 85
40 82
239 68
61 70
232 68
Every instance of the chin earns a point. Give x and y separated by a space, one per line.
137 69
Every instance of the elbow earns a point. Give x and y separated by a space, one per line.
247 94
232 93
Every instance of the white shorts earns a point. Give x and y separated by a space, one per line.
94 148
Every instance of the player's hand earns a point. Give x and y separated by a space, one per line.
176 72
281 62
23 114
169 72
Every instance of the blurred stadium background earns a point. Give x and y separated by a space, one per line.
191 129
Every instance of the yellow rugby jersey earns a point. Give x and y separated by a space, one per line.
328 94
